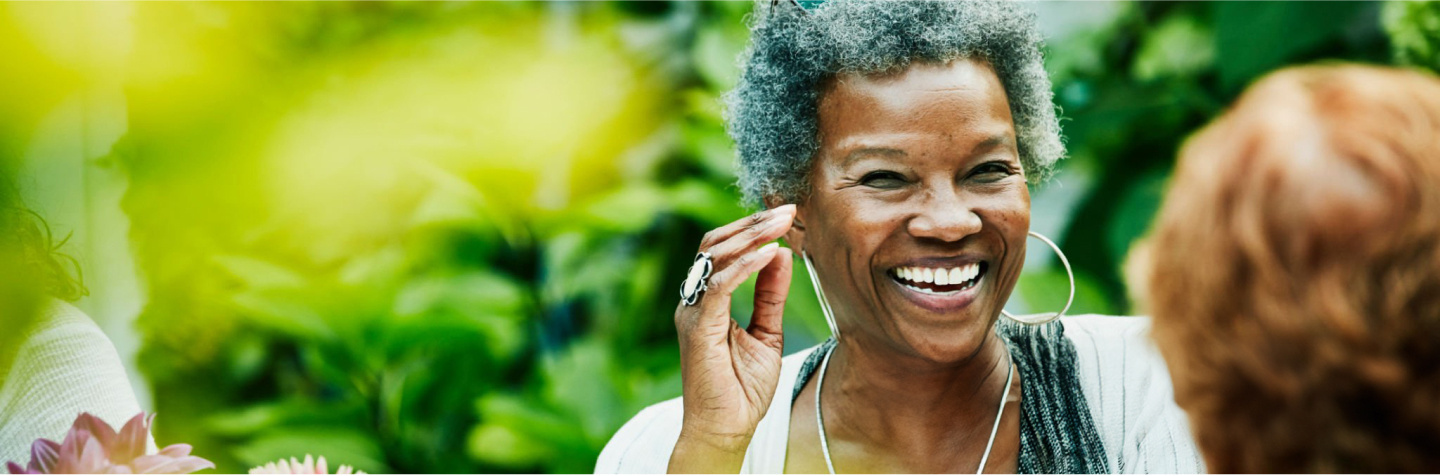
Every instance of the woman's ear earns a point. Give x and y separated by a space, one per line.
795 237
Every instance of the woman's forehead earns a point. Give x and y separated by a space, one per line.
962 101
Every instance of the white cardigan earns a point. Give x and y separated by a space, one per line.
1123 378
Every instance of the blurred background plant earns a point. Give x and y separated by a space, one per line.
447 237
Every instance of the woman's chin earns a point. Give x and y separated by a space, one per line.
938 324
950 341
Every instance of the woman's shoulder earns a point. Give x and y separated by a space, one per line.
644 443
65 365
65 333
1115 355
1127 386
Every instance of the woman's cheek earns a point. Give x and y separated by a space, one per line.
1011 213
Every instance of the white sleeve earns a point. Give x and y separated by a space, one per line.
1127 386
644 444
1159 439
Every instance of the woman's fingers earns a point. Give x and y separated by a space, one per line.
716 302
728 251
772 287
724 233
728 279
748 233
733 254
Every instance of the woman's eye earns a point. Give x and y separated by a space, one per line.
883 179
992 171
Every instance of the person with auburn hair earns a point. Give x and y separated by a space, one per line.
1294 275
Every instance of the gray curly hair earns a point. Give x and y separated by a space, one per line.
772 112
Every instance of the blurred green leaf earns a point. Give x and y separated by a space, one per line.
1045 292
1255 37
580 381
466 293
1179 46
1136 209
506 447
512 411
626 210
282 311
716 52
257 273
704 202
1414 28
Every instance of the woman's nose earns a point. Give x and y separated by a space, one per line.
948 219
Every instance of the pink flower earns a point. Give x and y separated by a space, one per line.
92 446
309 466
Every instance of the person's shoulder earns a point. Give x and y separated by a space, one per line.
61 320
65 334
1127 386
644 443
64 365
65 337
1115 354
1107 326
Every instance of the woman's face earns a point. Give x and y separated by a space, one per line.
917 176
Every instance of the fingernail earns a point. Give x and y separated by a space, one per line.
782 212
768 247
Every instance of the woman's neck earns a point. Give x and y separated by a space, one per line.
882 396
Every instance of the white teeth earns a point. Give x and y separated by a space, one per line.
932 292
951 276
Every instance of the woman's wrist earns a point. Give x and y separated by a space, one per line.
708 453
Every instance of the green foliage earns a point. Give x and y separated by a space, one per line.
1414 29
481 304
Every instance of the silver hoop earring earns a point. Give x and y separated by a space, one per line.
1043 319
820 294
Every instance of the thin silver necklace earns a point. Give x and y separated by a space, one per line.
820 420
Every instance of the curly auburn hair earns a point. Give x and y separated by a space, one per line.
1295 275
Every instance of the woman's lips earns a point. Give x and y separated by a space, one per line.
940 289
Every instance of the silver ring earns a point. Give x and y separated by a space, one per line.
696 279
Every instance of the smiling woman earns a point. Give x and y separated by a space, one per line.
910 167
894 145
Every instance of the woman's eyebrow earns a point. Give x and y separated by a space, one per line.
997 140
867 152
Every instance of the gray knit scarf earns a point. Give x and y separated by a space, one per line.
1057 434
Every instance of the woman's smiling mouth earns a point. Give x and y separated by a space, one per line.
940 288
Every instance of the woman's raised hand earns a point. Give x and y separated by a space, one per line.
730 373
